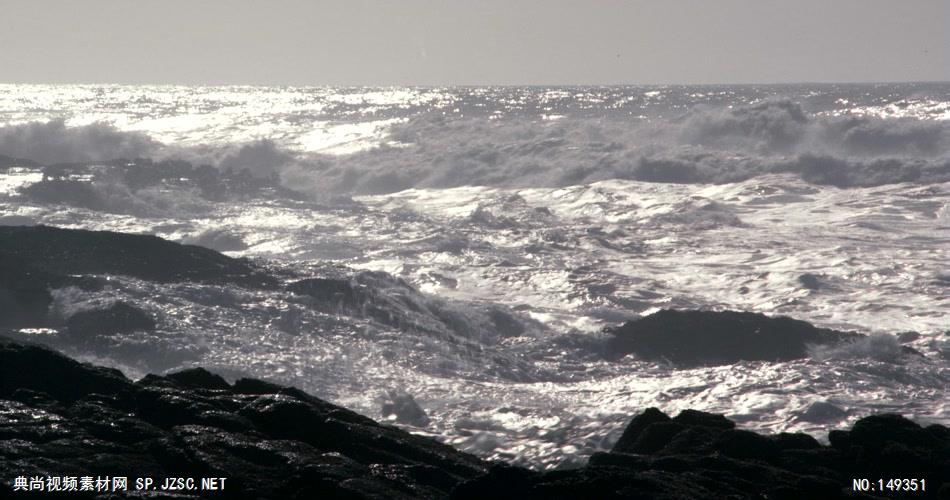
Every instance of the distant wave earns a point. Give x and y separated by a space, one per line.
704 145
53 142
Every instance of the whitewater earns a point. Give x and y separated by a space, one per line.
508 226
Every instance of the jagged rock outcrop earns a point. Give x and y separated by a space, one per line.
60 417
695 338
701 455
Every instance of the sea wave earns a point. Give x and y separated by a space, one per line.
53 142
432 150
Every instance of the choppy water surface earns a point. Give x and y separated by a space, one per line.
513 224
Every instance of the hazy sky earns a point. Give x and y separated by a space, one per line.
429 42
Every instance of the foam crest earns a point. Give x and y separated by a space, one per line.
53 142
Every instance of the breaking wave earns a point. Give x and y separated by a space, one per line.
703 146
53 142
431 150
486 304
879 347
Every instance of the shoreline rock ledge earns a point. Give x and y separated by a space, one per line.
61 417
702 455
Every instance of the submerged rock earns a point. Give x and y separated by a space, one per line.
217 239
822 411
117 318
25 291
392 301
810 281
695 338
702 455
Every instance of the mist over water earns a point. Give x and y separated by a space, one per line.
501 229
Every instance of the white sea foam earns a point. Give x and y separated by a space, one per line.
510 242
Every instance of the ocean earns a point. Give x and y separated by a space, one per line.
493 233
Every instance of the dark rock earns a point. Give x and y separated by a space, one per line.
25 291
67 192
822 411
690 439
905 337
42 370
876 430
117 318
700 455
217 239
789 441
199 378
24 294
501 481
65 252
810 281
402 407
279 442
746 445
68 418
656 437
505 323
703 419
339 292
391 301
693 338
254 386
377 295
636 427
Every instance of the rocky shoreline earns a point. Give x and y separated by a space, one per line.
60 417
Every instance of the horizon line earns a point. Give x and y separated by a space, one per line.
482 85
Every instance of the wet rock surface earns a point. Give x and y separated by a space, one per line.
391 301
60 417
403 408
25 290
697 338
60 253
702 455
117 318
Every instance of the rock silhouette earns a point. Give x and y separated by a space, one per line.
67 252
58 416
702 455
66 418
695 338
